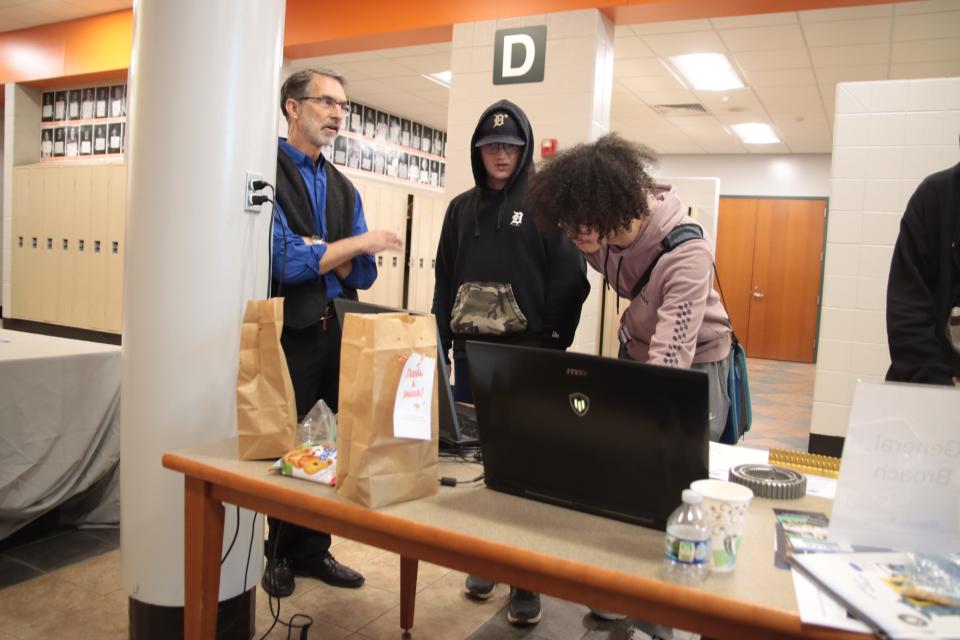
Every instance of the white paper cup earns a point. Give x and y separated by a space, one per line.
725 507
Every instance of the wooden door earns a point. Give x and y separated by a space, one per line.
736 231
769 261
786 286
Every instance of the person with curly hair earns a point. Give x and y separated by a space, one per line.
614 211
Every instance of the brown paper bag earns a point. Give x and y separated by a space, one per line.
266 411
374 467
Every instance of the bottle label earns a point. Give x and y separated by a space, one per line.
686 551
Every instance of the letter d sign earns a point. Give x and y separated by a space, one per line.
519 55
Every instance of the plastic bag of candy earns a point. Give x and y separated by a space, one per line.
316 463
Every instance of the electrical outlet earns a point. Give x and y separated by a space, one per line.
248 191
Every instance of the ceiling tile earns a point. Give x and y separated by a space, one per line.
833 75
946 69
830 34
431 63
926 50
927 6
760 149
789 99
667 97
777 59
781 78
700 125
638 67
678 43
846 13
721 144
759 20
631 47
671 27
732 97
926 25
753 113
652 84
845 56
763 38
800 120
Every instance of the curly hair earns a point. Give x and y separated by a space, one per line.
602 185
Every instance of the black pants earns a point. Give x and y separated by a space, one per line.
313 357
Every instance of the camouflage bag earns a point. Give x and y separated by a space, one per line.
486 308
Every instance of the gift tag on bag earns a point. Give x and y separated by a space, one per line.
411 408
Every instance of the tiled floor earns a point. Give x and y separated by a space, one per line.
67 584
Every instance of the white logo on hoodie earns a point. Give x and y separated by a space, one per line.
517 218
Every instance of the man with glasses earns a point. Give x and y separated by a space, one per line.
322 250
499 278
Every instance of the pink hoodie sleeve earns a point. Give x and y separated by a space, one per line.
684 277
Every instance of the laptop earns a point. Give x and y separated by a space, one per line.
458 424
615 438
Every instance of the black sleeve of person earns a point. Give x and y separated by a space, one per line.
917 348
442 299
566 289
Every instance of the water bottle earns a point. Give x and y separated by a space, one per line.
687 544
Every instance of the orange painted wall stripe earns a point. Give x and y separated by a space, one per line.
102 44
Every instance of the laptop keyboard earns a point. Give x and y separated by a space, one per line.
467 419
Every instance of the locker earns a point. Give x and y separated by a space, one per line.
34 268
63 258
113 246
79 246
96 247
20 245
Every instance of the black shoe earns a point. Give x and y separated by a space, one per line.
330 571
277 578
524 607
479 588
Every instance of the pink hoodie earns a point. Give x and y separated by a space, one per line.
677 319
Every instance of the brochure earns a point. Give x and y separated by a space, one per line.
886 590
802 532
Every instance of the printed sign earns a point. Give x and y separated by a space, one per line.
519 55
414 401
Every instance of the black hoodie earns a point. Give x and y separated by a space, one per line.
487 236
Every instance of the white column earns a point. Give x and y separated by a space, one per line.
572 104
203 92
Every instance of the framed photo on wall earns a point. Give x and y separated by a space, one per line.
86 139
87 104
424 171
353 153
394 137
416 131
369 121
103 96
116 100
379 160
405 132
355 125
437 142
393 157
114 137
46 143
366 155
73 104
340 150
402 166
427 140
443 171
381 134
99 139
60 105
434 172
413 168
46 106
59 144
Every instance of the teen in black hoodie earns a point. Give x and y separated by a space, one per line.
488 237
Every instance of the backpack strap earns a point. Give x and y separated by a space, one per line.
677 236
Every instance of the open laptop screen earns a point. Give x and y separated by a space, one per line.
611 437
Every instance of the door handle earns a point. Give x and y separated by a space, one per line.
757 294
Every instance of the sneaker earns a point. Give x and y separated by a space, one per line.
524 607
479 588
277 578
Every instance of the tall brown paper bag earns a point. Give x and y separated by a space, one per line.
266 411
374 467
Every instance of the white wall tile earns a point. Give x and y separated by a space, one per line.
885 163
935 94
833 386
838 324
886 129
849 162
842 260
839 291
847 102
871 294
875 261
830 419
870 326
869 359
888 96
925 127
879 227
851 130
843 227
835 355
919 162
846 195
884 195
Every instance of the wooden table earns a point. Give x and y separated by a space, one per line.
599 562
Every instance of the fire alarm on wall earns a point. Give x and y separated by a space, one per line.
548 147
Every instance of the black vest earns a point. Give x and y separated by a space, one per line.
305 303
